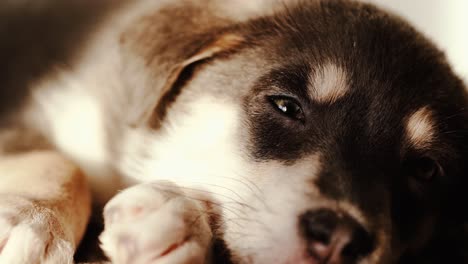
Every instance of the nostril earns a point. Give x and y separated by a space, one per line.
361 244
318 226
334 238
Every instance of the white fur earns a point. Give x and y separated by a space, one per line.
68 106
145 221
270 234
74 120
28 238
201 148
193 146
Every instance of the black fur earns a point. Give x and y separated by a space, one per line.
392 72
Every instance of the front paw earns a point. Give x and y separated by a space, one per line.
155 224
31 233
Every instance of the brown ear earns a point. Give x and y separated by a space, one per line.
182 72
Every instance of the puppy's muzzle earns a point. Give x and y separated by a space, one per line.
334 238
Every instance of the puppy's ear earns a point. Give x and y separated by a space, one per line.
162 50
183 71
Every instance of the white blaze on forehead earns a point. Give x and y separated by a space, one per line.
420 129
329 83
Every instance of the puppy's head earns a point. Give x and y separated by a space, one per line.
329 132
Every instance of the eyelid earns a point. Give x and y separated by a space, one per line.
285 97
282 93
415 163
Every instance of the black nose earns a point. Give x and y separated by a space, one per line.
334 238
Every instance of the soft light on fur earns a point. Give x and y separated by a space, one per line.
420 128
225 161
329 83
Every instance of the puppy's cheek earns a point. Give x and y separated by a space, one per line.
269 230
265 230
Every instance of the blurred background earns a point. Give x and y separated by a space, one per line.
445 22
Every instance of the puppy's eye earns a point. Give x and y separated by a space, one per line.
423 169
288 106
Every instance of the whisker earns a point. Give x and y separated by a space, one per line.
247 185
215 185
201 200
456 114
211 192
256 194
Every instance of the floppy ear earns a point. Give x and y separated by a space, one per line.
182 71
166 47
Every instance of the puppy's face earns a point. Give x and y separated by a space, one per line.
333 134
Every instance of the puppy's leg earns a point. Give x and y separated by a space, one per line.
44 208
156 223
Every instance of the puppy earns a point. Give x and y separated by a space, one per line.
309 132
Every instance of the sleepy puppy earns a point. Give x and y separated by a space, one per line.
313 132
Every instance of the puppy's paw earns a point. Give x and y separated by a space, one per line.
30 233
150 224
